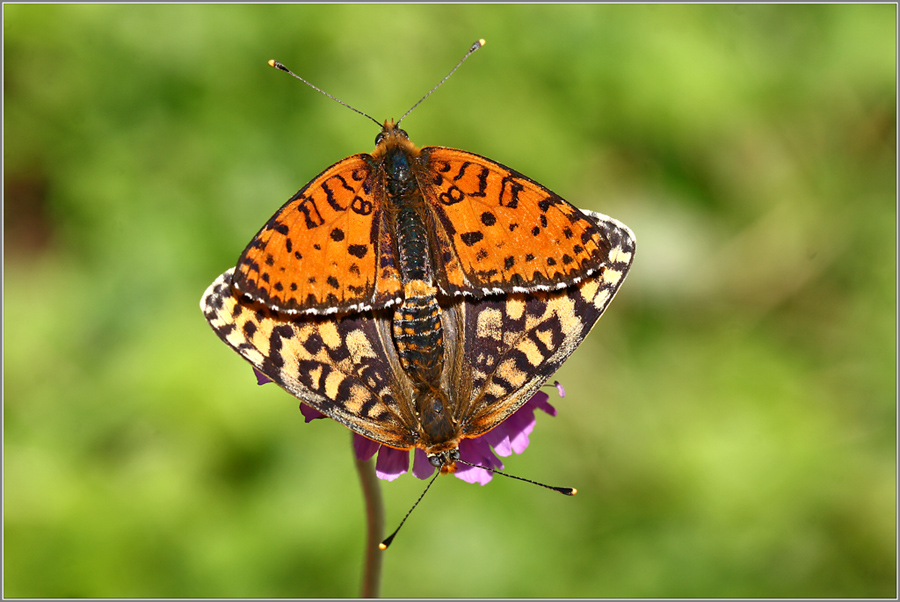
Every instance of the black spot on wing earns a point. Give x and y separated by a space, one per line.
471 238
358 251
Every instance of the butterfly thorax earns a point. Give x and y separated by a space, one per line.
406 217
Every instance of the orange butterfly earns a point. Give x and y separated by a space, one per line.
406 224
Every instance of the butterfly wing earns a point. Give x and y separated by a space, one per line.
498 231
344 367
327 249
512 344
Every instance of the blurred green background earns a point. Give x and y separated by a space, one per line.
729 424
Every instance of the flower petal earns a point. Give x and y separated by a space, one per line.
542 402
498 438
422 467
391 463
559 388
364 447
476 451
310 413
471 474
519 426
261 379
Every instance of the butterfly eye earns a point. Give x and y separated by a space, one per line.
394 132
454 455
435 460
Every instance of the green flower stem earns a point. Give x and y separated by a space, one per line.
371 582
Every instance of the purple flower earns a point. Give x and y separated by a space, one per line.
509 436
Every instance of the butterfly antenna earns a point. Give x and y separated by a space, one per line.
387 541
277 65
474 47
563 490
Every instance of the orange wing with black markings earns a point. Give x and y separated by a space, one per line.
334 247
499 231
328 249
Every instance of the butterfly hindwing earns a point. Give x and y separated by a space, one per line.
344 367
328 249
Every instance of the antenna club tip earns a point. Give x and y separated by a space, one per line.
481 42
382 546
565 490
277 65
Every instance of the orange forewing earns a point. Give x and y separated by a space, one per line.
505 232
327 249
333 247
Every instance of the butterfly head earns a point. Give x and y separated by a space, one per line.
390 137
445 460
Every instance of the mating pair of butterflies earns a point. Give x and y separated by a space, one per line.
419 296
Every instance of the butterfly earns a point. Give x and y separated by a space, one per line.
497 351
374 230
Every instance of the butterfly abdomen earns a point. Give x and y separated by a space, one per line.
418 334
